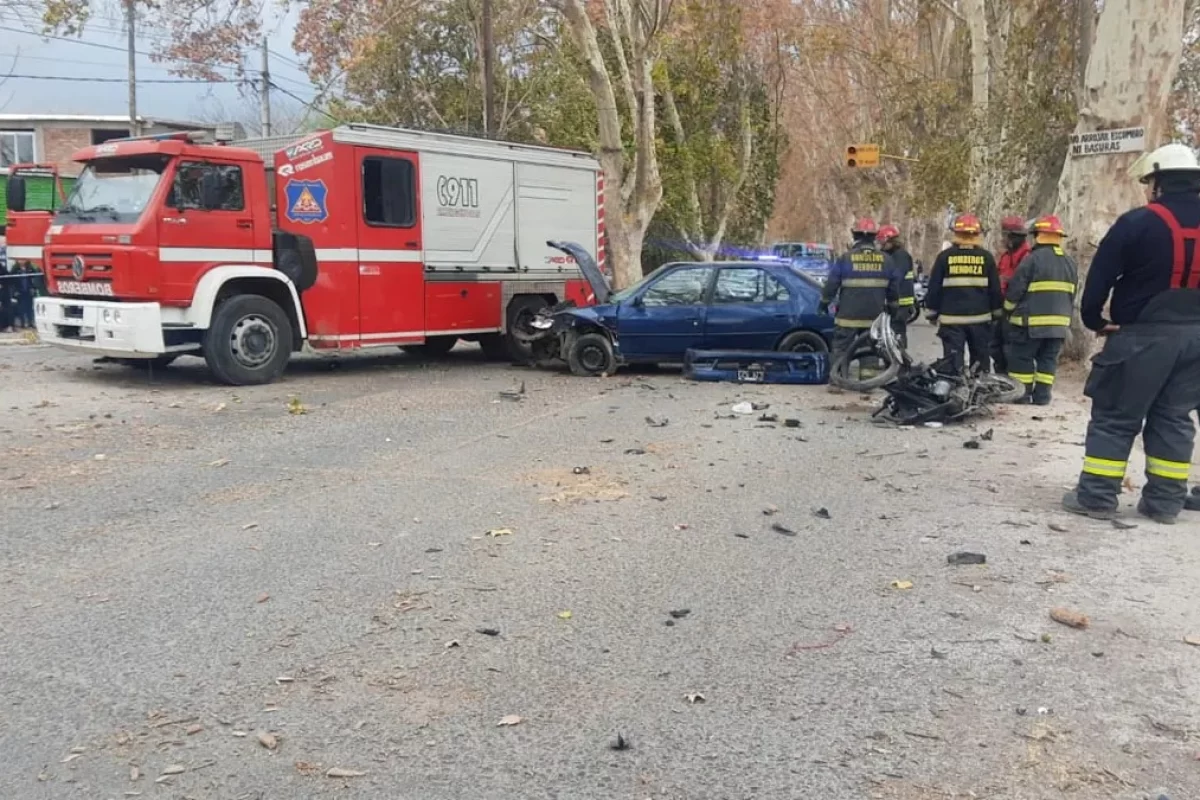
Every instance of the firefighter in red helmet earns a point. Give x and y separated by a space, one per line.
864 281
1016 247
888 240
964 296
1039 303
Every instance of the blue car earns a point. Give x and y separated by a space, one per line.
752 305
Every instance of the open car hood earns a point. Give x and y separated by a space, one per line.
589 268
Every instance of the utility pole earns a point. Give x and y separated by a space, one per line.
489 59
135 124
264 95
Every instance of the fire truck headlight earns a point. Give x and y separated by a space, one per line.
117 316
107 315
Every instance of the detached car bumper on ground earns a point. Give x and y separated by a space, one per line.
679 307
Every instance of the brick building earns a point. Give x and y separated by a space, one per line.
52 138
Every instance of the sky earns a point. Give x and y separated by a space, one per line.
100 53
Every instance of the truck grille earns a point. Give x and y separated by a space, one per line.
61 264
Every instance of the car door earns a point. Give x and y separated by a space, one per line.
666 317
750 310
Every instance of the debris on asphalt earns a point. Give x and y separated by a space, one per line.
902 585
682 526
972 444
840 632
264 597
1054 526
1072 619
497 532
679 613
295 407
564 615
249 526
134 773
581 471
1194 641
268 740
986 436
99 457
771 510
174 769
742 535
509 720
339 772
659 497
515 394
964 557
934 425
742 408
635 451
619 742
452 644
769 418
1122 525
780 528
822 513
695 697
192 730
657 423
488 631
937 655
791 422
220 462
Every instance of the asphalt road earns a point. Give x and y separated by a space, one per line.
203 595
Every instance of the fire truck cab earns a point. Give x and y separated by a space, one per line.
25 230
354 237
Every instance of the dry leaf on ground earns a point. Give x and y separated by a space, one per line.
1072 619
338 772
511 719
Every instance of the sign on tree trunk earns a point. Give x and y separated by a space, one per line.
1116 140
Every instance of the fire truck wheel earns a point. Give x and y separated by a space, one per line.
249 341
433 347
591 355
521 312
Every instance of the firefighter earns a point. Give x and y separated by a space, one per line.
964 296
1039 300
1147 377
864 281
1016 247
889 241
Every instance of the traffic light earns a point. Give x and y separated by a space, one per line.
862 155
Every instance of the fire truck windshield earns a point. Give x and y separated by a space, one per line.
113 189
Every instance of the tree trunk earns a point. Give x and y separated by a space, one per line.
1130 70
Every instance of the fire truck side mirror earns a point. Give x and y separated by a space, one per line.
210 190
14 193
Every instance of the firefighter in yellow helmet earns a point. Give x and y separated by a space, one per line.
964 296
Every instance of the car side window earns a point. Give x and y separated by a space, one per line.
684 287
748 285
186 193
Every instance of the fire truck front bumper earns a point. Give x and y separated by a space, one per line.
125 330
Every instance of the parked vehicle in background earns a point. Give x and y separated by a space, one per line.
360 236
811 258
745 305
43 191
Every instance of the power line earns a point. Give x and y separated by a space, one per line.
77 79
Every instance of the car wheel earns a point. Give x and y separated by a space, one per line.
249 341
521 312
803 342
433 347
591 355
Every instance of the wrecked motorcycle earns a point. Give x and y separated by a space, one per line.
935 393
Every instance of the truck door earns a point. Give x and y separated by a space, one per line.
190 237
391 285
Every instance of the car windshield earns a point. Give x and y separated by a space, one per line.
807 277
114 189
629 291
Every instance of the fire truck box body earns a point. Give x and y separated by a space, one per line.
361 236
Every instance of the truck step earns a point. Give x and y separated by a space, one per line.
756 366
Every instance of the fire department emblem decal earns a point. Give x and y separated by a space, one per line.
306 201
78 267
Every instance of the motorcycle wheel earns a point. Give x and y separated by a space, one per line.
994 388
861 347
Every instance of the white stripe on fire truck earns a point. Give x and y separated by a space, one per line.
229 254
24 251
384 256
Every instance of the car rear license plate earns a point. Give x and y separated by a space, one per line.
751 375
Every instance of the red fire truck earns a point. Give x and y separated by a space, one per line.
25 230
359 236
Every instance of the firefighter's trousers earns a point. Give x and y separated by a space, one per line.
1033 362
1147 380
900 326
957 338
998 344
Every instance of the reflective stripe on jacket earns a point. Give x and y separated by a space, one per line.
1041 294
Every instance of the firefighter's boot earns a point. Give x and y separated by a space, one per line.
1040 394
1193 500
1161 519
1070 502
